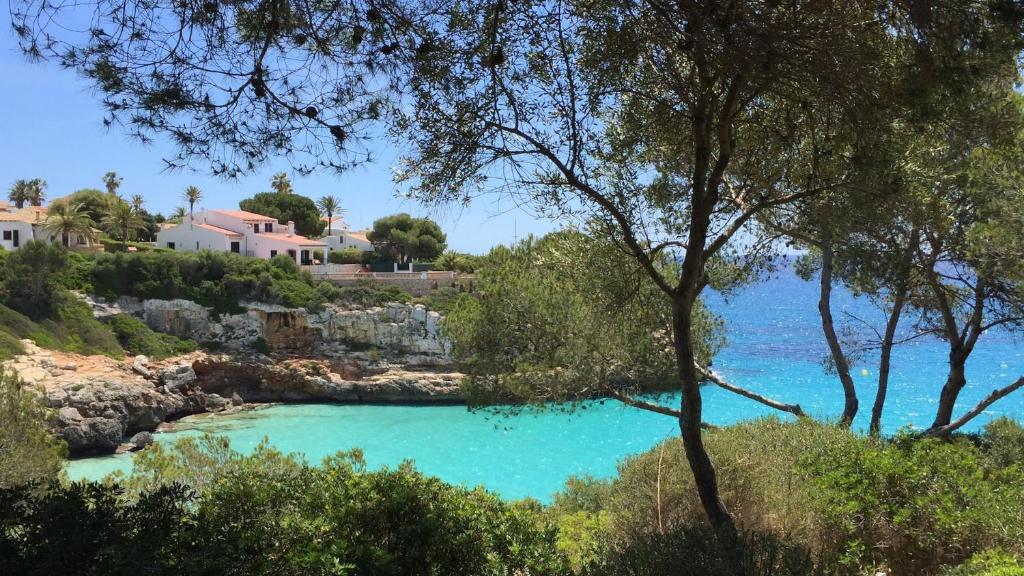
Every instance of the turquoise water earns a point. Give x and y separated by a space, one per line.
775 348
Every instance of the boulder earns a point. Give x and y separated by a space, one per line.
141 440
177 377
140 364
92 435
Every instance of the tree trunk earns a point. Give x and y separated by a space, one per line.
884 362
850 403
690 420
951 389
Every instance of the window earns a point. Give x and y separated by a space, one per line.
256 228
268 227
170 245
7 234
236 247
273 253
305 258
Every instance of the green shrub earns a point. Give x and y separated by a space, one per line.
28 453
1003 442
372 295
261 345
693 551
349 256
988 563
209 510
216 279
137 338
74 329
441 300
30 280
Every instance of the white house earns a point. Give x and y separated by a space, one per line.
241 232
18 226
342 239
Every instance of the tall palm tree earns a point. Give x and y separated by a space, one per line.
68 219
27 192
122 221
281 183
137 203
112 181
178 216
37 191
192 195
330 206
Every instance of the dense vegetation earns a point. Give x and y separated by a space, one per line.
405 239
271 514
287 207
28 453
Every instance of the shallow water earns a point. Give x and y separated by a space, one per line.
775 348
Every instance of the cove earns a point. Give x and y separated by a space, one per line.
774 347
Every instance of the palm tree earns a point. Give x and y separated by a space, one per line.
178 216
122 221
137 203
112 181
281 184
192 195
27 192
330 206
37 191
68 219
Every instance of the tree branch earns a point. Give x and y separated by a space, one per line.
710 374
649 406
978 409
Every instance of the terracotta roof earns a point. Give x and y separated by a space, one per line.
242 214
217 229
292 239
30 214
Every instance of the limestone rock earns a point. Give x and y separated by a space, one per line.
141 440
177 377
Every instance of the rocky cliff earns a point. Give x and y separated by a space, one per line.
400 333
390 354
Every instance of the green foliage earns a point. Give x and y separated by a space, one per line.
442 300
74 329
285 208
988 563
31 278
137 338
1003 440
94 203
701 552
201 508
111 245
28 453
404 238
373 295
857 503
457 262
350 256
564 318
214 279
260 345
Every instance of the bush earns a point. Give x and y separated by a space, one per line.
907 505
30 279
137 338
349 256
372 295
988 563
1003 442
269 514
441 300
28 453
74 329
687 551
216 279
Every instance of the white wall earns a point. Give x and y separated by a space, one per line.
342 240
24 230
190 239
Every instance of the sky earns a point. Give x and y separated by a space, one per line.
51 128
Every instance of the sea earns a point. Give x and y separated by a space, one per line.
775 347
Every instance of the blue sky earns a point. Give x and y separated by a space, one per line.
51 128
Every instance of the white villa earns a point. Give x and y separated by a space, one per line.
18 226
240 232
342 237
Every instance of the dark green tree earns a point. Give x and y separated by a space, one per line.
28 452
406 239
285 208
32 276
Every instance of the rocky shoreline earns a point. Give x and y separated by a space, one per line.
390 354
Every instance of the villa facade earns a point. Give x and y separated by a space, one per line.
241 232
18 226
339 236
